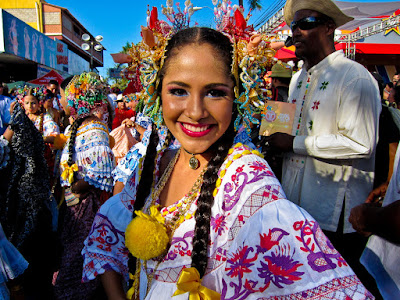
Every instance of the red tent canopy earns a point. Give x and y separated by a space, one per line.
285 54
52 75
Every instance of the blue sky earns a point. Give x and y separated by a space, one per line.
118 21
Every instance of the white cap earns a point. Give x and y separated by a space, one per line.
120 97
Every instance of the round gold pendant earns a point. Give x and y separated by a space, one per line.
193 163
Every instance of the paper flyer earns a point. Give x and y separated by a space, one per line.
277 117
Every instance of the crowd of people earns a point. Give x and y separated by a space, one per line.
167 190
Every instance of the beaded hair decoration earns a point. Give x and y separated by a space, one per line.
252 56
84 93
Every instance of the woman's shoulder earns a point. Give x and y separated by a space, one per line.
241 153
94 123
245 175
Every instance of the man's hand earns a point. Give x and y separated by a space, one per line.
361 215
277 142
377 194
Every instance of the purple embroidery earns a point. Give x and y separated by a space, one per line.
239 181
218 224
104 228
319 261
279 269
179 245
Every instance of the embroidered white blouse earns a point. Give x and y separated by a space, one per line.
336 121
261 245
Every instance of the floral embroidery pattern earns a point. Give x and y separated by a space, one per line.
294 100
300 84
324 85
278 267
310 125
218 224
316 105
319 261
242 178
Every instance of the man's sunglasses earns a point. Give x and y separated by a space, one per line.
307 23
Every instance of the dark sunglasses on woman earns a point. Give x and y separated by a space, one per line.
307 23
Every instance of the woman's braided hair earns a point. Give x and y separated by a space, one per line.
71 144
223 49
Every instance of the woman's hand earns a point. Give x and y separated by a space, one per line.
128 123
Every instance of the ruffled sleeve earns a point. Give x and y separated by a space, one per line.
264 245
104 248
49 126
93 155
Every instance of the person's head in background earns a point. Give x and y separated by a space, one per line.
115 90
381 83
120 102
386 91
48 99
394 96
396 78
132 100
53 86
281 74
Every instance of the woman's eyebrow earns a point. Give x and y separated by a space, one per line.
211 85
180 83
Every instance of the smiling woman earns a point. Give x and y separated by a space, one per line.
224 227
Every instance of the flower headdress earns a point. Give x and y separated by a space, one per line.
148 55
39 93
252 56
251 59
84 93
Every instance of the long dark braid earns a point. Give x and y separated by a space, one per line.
146 180
206 200
71 144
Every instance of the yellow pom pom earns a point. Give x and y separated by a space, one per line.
146 238
245 152
59 141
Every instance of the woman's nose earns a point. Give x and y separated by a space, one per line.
195 108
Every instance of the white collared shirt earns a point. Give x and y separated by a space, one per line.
336 131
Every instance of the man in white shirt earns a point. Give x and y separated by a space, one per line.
329 165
